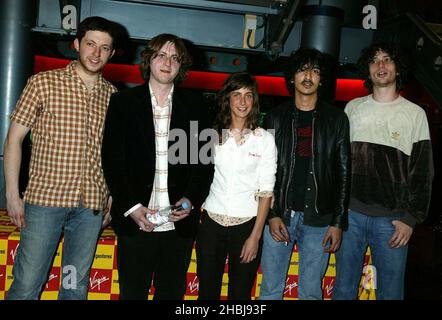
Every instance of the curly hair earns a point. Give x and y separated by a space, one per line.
393 50
300 58
234 82
154 46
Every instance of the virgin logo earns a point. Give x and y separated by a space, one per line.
96 282
290 286
194 285
51 277
329 288
13 252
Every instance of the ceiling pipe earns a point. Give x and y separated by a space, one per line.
283 30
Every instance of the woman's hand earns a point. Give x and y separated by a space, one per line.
249 250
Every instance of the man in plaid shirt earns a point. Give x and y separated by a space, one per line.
65 111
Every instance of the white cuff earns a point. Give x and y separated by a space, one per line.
135 207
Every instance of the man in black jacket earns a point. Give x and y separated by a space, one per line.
312 181
143 174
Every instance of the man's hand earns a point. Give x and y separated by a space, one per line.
181 214
16 211
139 217
401 236
106 213
334 236
278 230
12 160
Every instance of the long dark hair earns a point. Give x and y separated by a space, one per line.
302 57
154 46
393 51
234 82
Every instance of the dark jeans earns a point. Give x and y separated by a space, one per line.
161 256
214 243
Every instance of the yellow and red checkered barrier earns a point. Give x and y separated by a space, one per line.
103 282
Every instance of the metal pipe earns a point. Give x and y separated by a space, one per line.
283 30
287 22
16 61
321 29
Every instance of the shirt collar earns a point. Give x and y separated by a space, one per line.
154 98
70 72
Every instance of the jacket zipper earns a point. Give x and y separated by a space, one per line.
313 165
292 164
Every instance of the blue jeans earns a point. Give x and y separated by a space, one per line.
389 264
313 261
39 242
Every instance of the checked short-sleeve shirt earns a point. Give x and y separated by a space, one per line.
67 124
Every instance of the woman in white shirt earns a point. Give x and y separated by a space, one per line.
236 208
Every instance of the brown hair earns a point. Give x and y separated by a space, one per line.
153 47
234 82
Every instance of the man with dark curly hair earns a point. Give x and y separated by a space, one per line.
312 181
142 178
392 172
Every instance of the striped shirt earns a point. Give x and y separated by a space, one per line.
67 123
160 196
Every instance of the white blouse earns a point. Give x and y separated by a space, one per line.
242 172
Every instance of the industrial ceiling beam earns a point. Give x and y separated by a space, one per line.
211 6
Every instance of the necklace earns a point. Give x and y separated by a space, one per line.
239 135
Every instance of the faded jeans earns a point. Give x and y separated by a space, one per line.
39 242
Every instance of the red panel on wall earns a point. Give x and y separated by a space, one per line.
346 89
